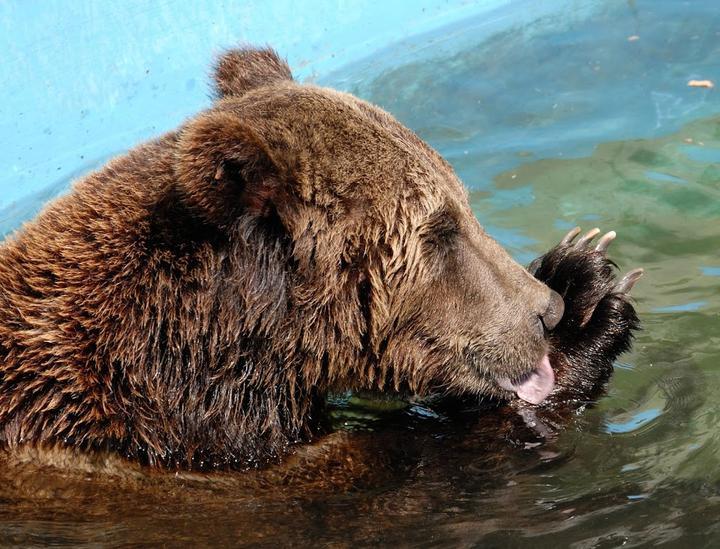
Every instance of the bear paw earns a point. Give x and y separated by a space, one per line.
599 318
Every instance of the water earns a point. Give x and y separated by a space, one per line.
550 126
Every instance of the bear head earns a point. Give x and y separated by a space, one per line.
386 279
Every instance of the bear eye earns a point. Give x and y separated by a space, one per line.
441 231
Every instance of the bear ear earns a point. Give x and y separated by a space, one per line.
239 70
225 169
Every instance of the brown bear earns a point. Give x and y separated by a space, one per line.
192 303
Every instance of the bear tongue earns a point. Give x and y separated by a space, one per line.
537 386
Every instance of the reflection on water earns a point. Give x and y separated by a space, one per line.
549 128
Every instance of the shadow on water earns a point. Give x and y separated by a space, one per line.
551 126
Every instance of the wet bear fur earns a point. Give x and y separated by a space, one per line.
192 303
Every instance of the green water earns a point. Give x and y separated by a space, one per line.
585 126
554 127
649 467
643 466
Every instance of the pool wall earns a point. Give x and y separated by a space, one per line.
83 81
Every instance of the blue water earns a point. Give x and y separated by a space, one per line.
541 91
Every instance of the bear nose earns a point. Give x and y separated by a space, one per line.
554 312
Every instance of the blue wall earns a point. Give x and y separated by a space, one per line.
81 81
84 80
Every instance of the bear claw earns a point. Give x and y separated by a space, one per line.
568 238
604 243
587 238
628 281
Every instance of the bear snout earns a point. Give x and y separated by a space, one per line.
554 311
